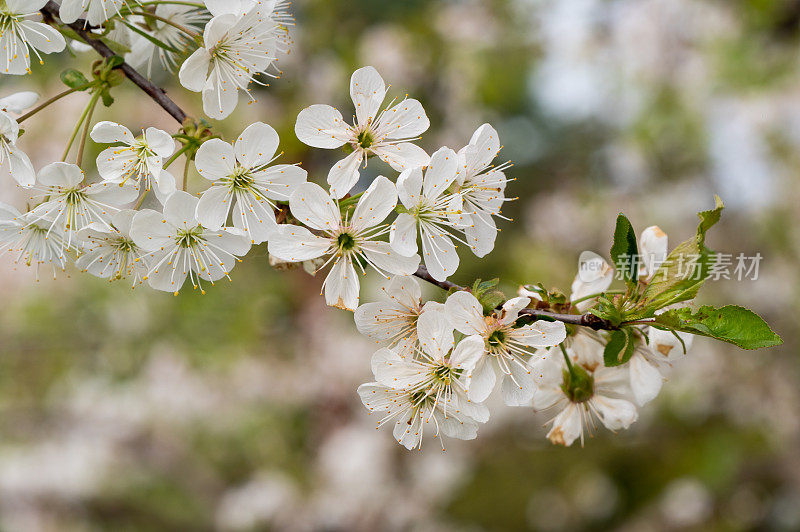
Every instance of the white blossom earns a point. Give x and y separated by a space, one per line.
507 349
144 51
97 11
109 252
242 178
431 212
180 247
387 134
71 205
581 394
427 392
238 43
19 36
481 188
30 240
347 240
14 163
140 159
393 320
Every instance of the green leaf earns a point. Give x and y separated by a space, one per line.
488 295
731 323
684 270
606 309
73 79
625 251
619 348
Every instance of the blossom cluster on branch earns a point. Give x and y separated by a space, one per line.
595 354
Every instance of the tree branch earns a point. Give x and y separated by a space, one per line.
585 320
157 94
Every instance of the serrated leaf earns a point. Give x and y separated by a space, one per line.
625 250
619 348
733 324
684 270
73 78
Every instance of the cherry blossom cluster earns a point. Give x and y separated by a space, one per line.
439 361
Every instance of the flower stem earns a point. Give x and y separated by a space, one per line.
51 101
566 357
77 129
185 175
87 125
175 156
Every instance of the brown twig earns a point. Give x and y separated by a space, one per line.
157 94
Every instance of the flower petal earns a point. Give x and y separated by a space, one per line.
465 312
343 175
402 156
441 172
293 243
322 126
215 159
367 89
375 204
403 235
341 285
312 206
109 132
256 145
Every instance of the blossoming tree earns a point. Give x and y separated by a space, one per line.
595 354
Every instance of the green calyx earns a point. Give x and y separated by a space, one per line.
578 384
365 139
346 241
188 238
496 339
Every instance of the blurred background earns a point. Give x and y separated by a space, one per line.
237 410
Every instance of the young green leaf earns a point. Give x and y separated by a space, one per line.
625 251
73 79
685 269
619 348
731 323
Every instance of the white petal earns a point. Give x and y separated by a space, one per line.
65 175
439 254
150 231
566 426
312 206
435 333
295 244
405 120
341 285
512 307
256 145
385 258
18 102
481 381
181 210
367 89
465 312
468 351
519 390
481 234
321 126
215 159
403 235
615 413
18 167
194 71
375 204
441 172
483 148
113 193
109 132
402 156
541 334
409 187
159 141
343 175
214 206
646 380
666 344
653 245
